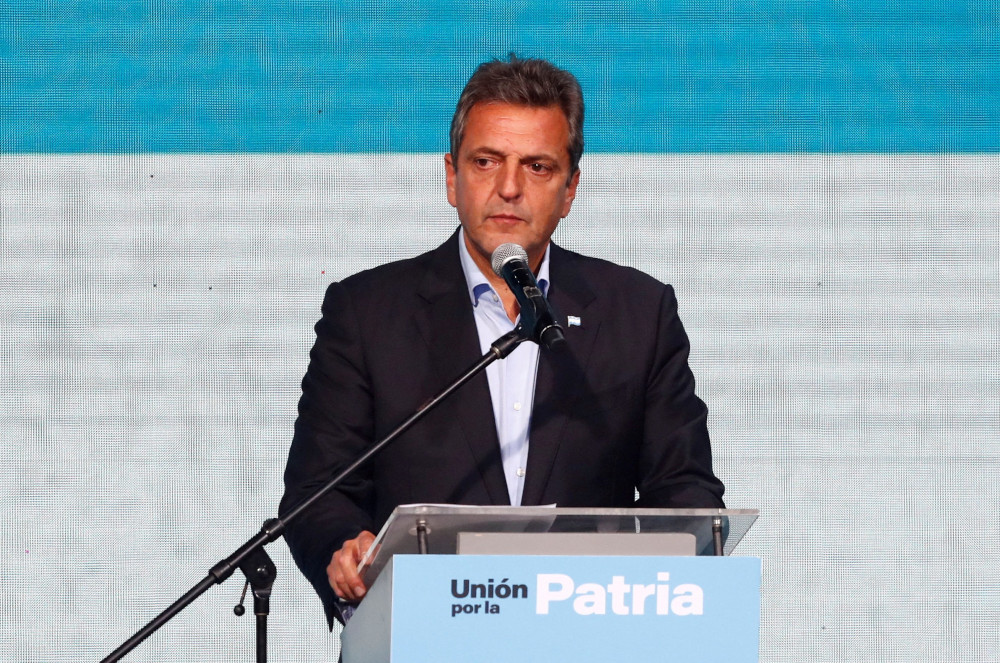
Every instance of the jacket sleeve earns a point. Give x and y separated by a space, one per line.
676 457
334 427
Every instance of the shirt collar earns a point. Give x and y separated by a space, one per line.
479 285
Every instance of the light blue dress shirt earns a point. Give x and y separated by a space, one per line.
512 380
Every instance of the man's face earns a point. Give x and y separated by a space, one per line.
511 181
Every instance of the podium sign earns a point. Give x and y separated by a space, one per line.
493 609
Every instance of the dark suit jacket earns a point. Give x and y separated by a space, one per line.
615 413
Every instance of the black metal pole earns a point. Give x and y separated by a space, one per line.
261 633
274 528
260 572
422 536
717 535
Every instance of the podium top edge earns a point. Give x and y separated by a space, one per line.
438 509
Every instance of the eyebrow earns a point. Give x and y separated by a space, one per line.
530 158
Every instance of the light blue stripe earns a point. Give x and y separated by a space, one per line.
287 76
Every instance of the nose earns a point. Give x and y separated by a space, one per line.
510 181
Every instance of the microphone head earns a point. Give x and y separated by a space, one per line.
504 254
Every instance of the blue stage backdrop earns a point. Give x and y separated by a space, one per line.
179 181
691 77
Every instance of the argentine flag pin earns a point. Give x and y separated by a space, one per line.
572 321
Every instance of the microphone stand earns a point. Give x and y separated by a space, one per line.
251 557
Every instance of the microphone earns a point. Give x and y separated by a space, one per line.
510 262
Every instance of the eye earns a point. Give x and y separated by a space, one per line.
482 162
539 168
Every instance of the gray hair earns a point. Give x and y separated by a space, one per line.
535 83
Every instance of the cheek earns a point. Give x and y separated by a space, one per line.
463 199
469 189
553 203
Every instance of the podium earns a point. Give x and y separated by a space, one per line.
585 585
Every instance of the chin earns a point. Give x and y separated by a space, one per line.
487 243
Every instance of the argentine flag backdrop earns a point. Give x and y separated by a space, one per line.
180 180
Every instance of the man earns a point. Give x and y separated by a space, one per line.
615 413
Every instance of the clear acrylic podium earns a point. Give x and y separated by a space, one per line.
573 584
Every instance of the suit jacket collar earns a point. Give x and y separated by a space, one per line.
560 375
448 326
449 329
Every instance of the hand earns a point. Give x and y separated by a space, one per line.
343 569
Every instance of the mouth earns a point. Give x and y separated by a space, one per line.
505 218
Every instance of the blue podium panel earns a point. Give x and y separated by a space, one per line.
493 609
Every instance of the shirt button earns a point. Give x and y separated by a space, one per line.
517 406
520 471
495 298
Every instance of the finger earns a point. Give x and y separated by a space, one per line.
365 541
347 573
336 578
358 549
342 572
339 573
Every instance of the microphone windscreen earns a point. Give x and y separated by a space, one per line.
506 252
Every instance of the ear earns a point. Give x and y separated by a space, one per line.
449 179
570 193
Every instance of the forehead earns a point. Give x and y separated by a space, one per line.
516 129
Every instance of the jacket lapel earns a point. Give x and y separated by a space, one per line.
448 326
560 375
